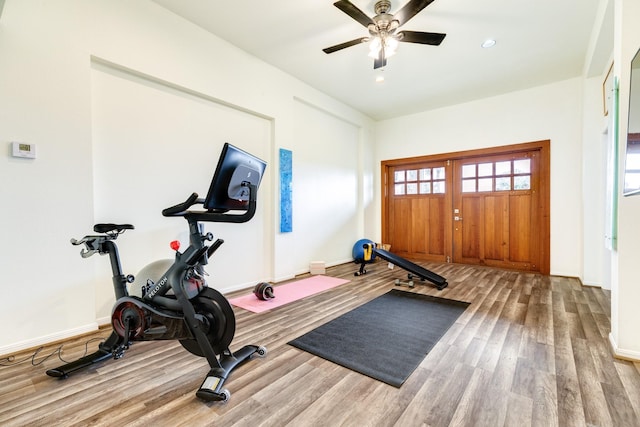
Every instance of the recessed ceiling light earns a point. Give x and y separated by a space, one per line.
379 78
488 43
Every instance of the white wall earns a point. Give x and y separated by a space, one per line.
625 277
78 115
552 112
44 87
596 139
325 176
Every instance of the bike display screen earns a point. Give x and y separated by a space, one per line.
235 167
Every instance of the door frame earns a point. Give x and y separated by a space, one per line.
543 147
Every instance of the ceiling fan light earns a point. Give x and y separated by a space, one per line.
488 43
374 47
390 46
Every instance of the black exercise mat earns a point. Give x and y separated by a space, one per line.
386 338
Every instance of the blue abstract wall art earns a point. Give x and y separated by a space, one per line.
286 191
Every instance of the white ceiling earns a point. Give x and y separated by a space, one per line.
538 42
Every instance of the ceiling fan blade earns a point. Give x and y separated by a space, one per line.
350 9
344 45
410 10
380 61
433 39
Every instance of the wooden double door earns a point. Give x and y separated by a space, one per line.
485 207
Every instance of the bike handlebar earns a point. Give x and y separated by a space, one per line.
91 243
182 209
178 209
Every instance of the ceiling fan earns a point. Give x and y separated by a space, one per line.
383 29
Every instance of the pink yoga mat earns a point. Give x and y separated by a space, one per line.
288 293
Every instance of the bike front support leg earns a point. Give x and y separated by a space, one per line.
106 350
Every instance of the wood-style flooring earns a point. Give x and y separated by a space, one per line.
531 350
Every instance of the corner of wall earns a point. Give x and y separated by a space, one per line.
622 353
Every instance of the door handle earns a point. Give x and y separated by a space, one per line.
457 218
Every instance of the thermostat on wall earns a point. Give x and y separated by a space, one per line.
21 149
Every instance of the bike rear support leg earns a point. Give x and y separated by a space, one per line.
212 388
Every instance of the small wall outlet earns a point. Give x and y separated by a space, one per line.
22 149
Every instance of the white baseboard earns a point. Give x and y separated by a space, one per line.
287 277
344 261
622 353
47 339
307 270
239 287
103 321
593 284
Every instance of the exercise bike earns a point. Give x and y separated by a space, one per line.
177 304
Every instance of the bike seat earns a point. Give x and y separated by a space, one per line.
106 228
